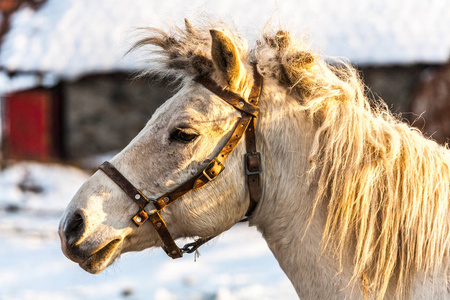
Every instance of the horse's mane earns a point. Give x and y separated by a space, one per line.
387 188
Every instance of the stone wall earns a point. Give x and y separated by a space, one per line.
432 102
394 84
420 94
104 112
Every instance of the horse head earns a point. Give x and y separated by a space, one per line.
181 138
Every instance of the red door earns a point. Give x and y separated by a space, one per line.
32 125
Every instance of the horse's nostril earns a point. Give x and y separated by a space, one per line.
75 227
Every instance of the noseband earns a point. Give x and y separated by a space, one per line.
252 161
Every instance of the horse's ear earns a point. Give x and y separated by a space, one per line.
226 58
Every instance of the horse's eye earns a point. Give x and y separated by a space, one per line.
184 135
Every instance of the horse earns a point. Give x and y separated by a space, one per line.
352 202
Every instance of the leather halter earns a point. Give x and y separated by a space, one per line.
252 161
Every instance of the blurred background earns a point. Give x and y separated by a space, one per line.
69 102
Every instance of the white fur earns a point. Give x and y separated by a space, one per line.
156 165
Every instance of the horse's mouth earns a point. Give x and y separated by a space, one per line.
101 258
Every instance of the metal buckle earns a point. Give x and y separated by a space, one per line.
247 171
140 218
210 166
192 247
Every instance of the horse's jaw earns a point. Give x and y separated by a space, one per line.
102 257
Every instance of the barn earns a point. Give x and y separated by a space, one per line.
67 87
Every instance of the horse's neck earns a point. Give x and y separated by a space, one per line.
285 209
284 215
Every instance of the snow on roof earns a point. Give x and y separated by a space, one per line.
69 38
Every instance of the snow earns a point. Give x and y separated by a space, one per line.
70 38
236 265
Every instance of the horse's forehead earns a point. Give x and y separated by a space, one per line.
193 97
192 102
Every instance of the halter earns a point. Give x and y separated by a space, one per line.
252 161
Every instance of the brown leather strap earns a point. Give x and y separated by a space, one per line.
257 86
228 96
169 243
253 158
211 171
141 216
124 184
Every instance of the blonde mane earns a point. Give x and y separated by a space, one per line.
386 187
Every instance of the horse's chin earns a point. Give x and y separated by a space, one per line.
102 257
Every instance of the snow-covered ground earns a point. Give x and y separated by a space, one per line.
236 265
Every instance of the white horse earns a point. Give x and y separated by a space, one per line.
353 203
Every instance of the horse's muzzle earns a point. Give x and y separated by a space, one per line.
71 230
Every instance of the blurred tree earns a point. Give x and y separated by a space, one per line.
7 9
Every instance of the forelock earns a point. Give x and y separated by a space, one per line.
182 51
